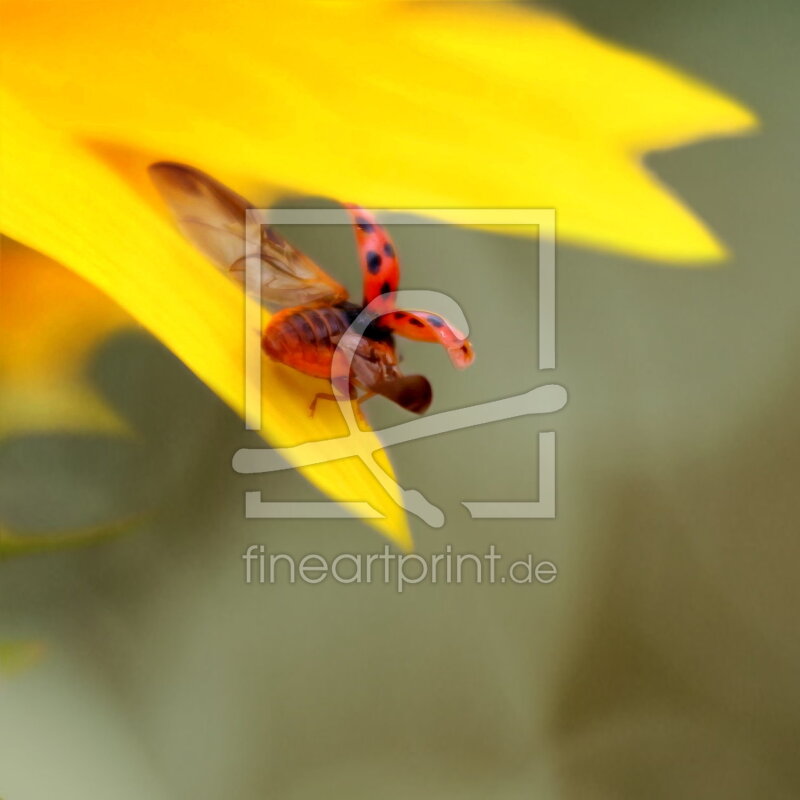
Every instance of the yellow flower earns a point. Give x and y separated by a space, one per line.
390 104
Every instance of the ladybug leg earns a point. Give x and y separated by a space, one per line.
357 410
344 388
320 396
330 396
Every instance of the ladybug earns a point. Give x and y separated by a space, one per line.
315 312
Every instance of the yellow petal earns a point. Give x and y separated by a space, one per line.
50 320
391 104
64 202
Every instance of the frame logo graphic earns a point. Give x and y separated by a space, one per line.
544 399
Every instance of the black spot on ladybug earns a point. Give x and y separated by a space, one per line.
388 250
415 321
365 225
374 261
386 288
435 321
400 315
464 348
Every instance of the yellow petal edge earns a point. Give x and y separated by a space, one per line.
399 105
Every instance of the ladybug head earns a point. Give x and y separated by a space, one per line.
412 392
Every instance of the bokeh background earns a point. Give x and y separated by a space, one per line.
663 662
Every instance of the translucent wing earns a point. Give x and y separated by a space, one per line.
380 266
212 217
425 326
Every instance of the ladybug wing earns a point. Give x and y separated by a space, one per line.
213 218
379 264
425 326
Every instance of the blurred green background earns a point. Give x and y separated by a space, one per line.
662 662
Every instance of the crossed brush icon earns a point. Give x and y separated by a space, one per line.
544 399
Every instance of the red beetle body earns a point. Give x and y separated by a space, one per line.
315 314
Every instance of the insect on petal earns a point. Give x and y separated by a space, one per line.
84 216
